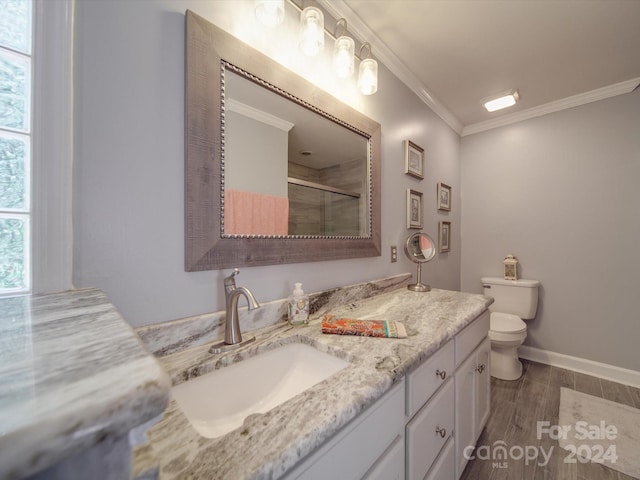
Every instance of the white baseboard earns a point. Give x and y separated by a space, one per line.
582 365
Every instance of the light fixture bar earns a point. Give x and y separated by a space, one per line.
327 31
505 100
368 69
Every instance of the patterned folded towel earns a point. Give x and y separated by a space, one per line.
366 328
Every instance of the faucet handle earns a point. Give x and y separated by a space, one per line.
230 281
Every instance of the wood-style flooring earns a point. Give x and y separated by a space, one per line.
517 406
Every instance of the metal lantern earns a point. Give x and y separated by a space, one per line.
510 267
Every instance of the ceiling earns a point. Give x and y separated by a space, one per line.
454 53
313 140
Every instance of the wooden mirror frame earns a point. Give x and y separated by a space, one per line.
206 246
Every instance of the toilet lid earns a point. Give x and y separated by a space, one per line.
507 323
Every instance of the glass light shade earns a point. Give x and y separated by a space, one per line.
343 60
502 102
269 12
368 76
311 31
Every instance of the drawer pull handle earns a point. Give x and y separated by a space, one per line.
481 368
441 431
441 374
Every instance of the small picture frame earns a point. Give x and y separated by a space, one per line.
414 209
444 237
444 197
413 159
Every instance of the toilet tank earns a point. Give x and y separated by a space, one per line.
518 297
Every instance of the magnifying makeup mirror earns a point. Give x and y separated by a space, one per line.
420 248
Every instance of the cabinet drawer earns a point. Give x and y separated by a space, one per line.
428 432
427 378
391 465
445 465
469 338
358 446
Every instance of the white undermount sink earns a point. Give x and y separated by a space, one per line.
218 402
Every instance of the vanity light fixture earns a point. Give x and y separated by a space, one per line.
367 73
311 35
504 100
311 31
269 12
343 52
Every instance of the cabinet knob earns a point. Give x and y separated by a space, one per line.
441 374
481 368
441 431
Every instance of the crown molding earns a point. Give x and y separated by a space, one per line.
339 9
248 111
551 107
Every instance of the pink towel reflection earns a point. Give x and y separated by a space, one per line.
248 213
425 244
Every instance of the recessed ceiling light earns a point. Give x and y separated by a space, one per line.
504 100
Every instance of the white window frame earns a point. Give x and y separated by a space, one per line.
52 146
23 56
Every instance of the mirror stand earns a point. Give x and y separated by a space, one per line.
420 248
419 286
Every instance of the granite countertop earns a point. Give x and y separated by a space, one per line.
270 444
72 373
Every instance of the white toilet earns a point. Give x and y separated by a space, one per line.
515 300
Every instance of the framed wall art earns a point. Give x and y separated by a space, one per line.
414 209
444 237
444 197
413 159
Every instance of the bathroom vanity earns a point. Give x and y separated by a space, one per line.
402 408
409 432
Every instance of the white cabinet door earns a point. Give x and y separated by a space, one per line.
483 386
464 406
473 390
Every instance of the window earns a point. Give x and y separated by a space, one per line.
36 145
15 145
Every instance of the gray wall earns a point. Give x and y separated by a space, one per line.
129 152
562 192
258 166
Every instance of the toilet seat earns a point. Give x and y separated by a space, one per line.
506 323
506 330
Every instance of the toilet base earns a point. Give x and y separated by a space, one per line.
505 364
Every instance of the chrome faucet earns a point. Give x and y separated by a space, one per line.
232 335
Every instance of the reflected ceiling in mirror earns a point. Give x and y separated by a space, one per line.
290 169
210 53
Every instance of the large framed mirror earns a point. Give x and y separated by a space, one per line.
276 170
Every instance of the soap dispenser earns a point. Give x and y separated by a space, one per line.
298 306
